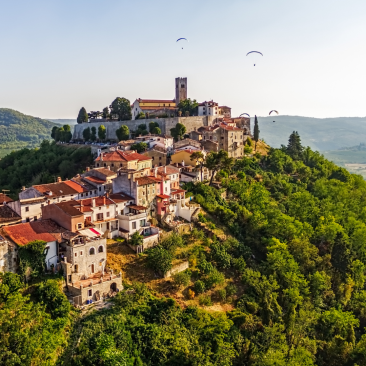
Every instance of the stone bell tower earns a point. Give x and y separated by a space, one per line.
180 89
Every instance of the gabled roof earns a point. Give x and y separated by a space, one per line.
56 189
155 100
46 230
120 197
78 187
188 151
94 180
83 183
4 198
70 208
7 215
230 128
168 170
122 156
145 180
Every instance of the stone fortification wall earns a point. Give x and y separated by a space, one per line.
165 125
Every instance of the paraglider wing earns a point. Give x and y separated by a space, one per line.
255 52
180 39
272 111
244 114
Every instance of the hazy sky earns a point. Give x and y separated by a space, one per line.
59 55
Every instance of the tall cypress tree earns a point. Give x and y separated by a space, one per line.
256 132
82 116
294 147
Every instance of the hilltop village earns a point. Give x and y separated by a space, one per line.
133 192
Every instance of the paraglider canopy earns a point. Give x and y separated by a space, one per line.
181 39
244 114
255 52
272 111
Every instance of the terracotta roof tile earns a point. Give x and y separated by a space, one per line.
46 230
145 180
94 180
120 197
57 189
78 188
122 156
155 100
4 198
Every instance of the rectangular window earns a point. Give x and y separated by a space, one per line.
142 223
81 253
76 254
90 293
80 226
27 219
99 217
69 278
35 218
107 214
134 225
27 209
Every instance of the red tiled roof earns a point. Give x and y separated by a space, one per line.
155 100
104 171
122 156
176 191
190 151
70 207
120 197
155 108
95 180
145 180
4 198
229 128
162 196
169 170
137 208
22 234
99 201
76 186
57 189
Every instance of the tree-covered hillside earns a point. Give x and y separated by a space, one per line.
18 130
42 165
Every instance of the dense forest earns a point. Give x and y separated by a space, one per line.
27 167
18 130
294 271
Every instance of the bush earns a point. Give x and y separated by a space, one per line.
160 259
172 242
199 287
191 294
214 278
205 300
231 289
221 294
201 218
211 225
197 234
182 279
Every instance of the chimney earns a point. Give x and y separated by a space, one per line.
165 169
59 179
88 169
48 202
107 194
23 188
104 201
182 162
93 202
156 172
108 167
101 156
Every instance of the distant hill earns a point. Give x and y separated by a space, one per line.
69 122
18 130
318 133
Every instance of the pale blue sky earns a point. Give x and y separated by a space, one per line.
59 55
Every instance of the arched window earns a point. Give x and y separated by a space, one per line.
91 251
101 249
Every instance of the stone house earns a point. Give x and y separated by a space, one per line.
123 159
183 157
45 230
8 255
84 266
158 155
210 108
100 178
31 200
8 216
187 143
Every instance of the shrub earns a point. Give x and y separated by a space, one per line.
197 234
199 287
182 279
160 259
205 267
172 242
202 218
205 300
211 225
239 264
231 289
221 294
191 294
214 278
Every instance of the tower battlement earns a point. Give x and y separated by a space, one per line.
180 89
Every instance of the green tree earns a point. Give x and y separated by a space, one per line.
32 259
140 115
152 126
123 133
256 132
182 279
139 147
82 116
200 161
178 131
216 161
86 134
106 113
188 105
102 132
136 239
93 136
53 132
67 135
156 131
160 260
122 108
294 147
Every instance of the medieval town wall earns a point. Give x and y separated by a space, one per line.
165 124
